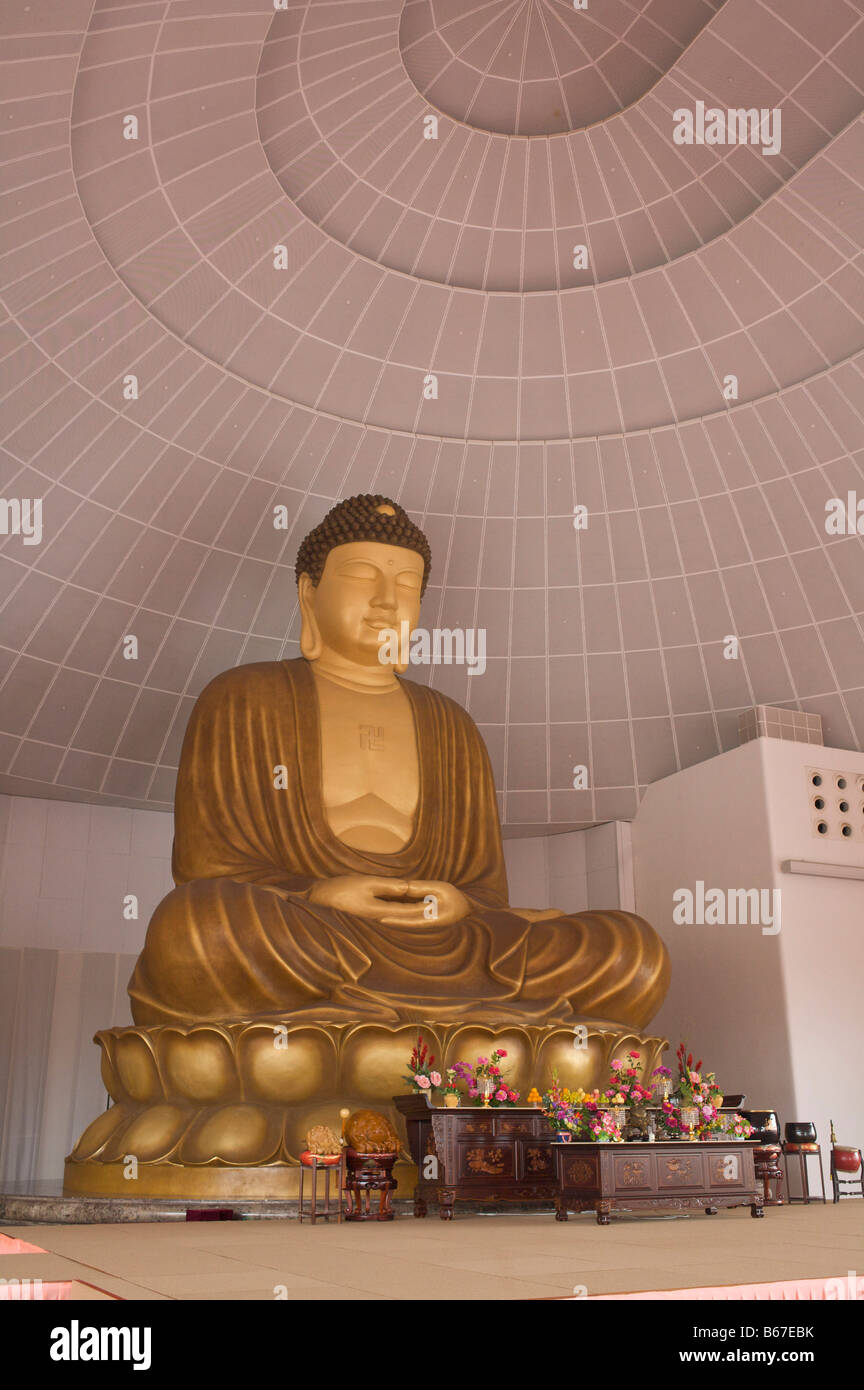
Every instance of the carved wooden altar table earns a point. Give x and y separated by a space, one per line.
643 1177
510 1155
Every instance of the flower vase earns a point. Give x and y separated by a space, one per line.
451 1101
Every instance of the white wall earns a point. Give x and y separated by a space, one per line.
778 1017
573 871
822 938
67 867
66 954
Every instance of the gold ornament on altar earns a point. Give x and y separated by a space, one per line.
339 876
321 1140
369 1132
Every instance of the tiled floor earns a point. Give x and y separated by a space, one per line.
506 1256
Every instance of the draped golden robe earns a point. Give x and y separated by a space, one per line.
237 938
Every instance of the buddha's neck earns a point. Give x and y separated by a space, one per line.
368 680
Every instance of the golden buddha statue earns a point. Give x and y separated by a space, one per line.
337 848
340 881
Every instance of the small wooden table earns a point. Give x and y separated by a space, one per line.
365 1174
510 1155
672 1173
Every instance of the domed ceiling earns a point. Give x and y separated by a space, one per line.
450 252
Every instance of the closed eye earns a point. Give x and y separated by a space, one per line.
359 569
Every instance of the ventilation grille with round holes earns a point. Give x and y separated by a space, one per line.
836 804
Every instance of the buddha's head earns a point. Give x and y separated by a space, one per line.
363 570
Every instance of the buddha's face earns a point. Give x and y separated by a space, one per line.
366 587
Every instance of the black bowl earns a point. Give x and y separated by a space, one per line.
800 1132
766 1125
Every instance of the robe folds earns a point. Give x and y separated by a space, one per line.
237 937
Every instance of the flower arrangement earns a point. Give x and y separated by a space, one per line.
603 1128
669 1121
625 1086
485 1079
420 1069
587 1115
558 1105
591 1115
451 1085
580 1113
699 1093
738 1128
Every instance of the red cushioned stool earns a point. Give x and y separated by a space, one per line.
331 1166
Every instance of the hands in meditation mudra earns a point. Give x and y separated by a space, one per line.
337 848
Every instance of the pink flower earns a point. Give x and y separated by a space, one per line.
501 1052
501 1095
435 1078
423 1082
473 1091
616 1066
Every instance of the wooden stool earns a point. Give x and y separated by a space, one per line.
365 1174
315 1164
802 1152
766 1160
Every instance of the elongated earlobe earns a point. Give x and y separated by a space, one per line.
402 666
405 643
311 645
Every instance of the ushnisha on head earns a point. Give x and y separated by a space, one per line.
360 573
367 517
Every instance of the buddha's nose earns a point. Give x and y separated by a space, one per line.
385 593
